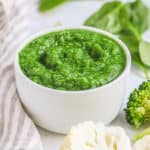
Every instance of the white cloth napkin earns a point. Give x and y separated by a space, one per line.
17 131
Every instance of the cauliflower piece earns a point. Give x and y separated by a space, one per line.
89 136
117 139
143 144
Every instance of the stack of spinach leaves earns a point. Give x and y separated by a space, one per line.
127 20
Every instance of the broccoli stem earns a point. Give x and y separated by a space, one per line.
142 134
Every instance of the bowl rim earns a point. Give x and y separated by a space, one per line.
60 28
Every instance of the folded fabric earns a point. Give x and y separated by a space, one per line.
17 131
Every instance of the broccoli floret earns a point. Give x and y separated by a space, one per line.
138 107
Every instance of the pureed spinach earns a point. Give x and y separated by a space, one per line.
75 59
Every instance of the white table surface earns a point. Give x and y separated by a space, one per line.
74 13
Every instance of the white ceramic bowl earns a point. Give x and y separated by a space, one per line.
58 110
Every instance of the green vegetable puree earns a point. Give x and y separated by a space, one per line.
74 59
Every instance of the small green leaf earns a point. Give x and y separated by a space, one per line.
45 5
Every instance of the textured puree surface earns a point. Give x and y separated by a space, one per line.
75 59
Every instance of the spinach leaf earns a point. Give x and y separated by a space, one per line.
138 15
45 5
107 17
130 40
